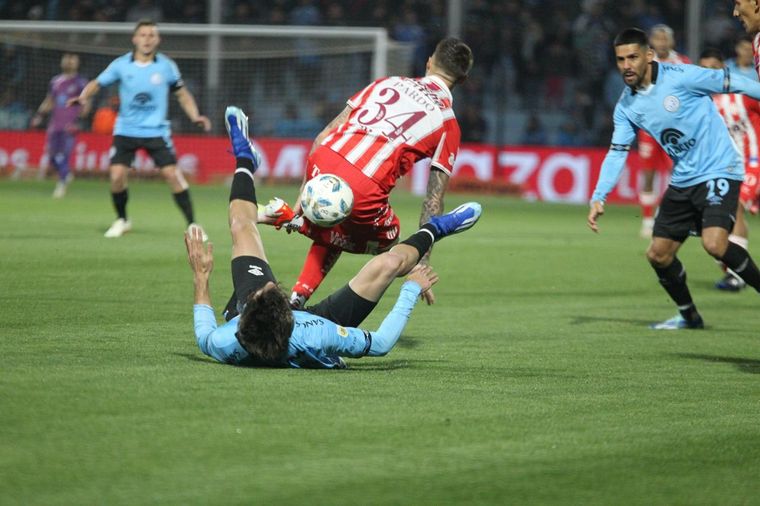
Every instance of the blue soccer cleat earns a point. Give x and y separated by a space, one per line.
678 322
236 123
731 283
458 220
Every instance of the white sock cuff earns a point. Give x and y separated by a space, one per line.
739 240
245 171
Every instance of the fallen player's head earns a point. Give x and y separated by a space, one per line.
266 324
453 59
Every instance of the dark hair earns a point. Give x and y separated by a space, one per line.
143 22
632 36
265 326
743 38
711 52
454 58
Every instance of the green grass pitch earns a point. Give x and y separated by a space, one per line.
533 380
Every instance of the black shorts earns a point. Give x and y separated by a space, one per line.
249 275
686 211
343 307
160 149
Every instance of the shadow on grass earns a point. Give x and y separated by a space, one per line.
366 364
748 365
584 320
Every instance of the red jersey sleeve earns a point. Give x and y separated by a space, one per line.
448 147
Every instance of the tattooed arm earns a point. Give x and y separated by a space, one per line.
433 206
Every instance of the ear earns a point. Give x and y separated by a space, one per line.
650 55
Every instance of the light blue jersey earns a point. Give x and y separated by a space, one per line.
678 111
748 72
144 94
316 342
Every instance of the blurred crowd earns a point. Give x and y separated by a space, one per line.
544 71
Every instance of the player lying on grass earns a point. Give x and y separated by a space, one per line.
267 332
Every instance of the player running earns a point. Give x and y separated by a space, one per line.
267 332
742 117
654 159
672 102
382 132
145 77
63 122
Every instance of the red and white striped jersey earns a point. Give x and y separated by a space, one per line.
394 122
674 57
742 117
756 52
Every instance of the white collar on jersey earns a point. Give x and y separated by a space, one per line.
441 84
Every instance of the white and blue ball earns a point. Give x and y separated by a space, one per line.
326 200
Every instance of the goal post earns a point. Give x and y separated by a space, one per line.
290 79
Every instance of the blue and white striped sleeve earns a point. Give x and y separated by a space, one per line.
614 162
386 336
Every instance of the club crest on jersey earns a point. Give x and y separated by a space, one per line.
156 78
342 332
671 103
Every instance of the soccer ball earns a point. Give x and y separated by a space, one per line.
326 200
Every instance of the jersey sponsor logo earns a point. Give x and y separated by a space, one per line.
156 78
142 98
671 103
255 270
341 240
670 139
143 102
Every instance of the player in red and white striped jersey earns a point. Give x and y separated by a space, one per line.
748 12
742 117
653 157
384 129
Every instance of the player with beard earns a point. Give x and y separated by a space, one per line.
673 104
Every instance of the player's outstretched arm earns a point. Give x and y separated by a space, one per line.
90 90
45 107
200 256
419 280
596 210
187 102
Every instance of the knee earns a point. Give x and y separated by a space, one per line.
658 258
390 265
715 246
238 224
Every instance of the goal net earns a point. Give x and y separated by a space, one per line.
290 80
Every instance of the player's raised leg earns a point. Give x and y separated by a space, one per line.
373 279
351 304
243 215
